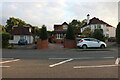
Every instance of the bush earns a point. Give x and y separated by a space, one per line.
43 34
112 39
118 33
98 34
70 33
5 40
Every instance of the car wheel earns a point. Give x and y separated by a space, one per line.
102 46
84 46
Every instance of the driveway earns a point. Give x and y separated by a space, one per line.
30 46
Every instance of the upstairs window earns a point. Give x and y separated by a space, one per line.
65 27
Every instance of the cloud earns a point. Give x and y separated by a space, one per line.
107 11
50 12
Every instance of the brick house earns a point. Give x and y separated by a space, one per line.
59 32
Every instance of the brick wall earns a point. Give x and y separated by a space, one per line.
70 44
42 44
58 28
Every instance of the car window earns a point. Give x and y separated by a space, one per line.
94 40
87 39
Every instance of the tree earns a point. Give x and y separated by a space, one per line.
98 34
43 34
2 29
77 25
15 22
87 32
70 33
118 33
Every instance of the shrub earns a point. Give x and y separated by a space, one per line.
43 34
98 34
5 40
118 33
70 33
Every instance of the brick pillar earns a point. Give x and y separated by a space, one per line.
42 44
69 43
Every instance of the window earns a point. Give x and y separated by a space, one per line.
21 37
94 40
87 39
59 36
65 26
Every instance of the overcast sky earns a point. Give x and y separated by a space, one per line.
50 12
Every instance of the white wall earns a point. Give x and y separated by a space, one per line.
111 31
92 26
16 38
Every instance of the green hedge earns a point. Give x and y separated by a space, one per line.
98 34
44 34
118 33
5 40
70 33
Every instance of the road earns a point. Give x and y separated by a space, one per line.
62 63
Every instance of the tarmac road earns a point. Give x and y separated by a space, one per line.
63 63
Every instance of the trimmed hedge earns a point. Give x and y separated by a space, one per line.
70 33
5 40
118 33
44 34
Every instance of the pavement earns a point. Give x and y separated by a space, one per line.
59 63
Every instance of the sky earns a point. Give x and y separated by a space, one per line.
50 12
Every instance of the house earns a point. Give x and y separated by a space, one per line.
21 32
96 23
59 32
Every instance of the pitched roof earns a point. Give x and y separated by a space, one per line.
60 25
20 31
64 23
96 21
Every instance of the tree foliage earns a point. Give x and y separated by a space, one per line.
77 25
15 22
87 32
2 29
70 33
43 34
118 33
98 34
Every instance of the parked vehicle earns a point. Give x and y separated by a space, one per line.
90 42
22 42
112 39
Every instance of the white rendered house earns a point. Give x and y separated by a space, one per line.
95 23
21 32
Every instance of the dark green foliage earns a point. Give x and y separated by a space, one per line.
77 25
15 22
98 34
49 33
87 32
118 33
70 33
43 34
5 40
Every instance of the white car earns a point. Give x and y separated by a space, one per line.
90 42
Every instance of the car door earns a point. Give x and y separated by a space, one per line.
88 42
95 43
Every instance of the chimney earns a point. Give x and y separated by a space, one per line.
88 19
